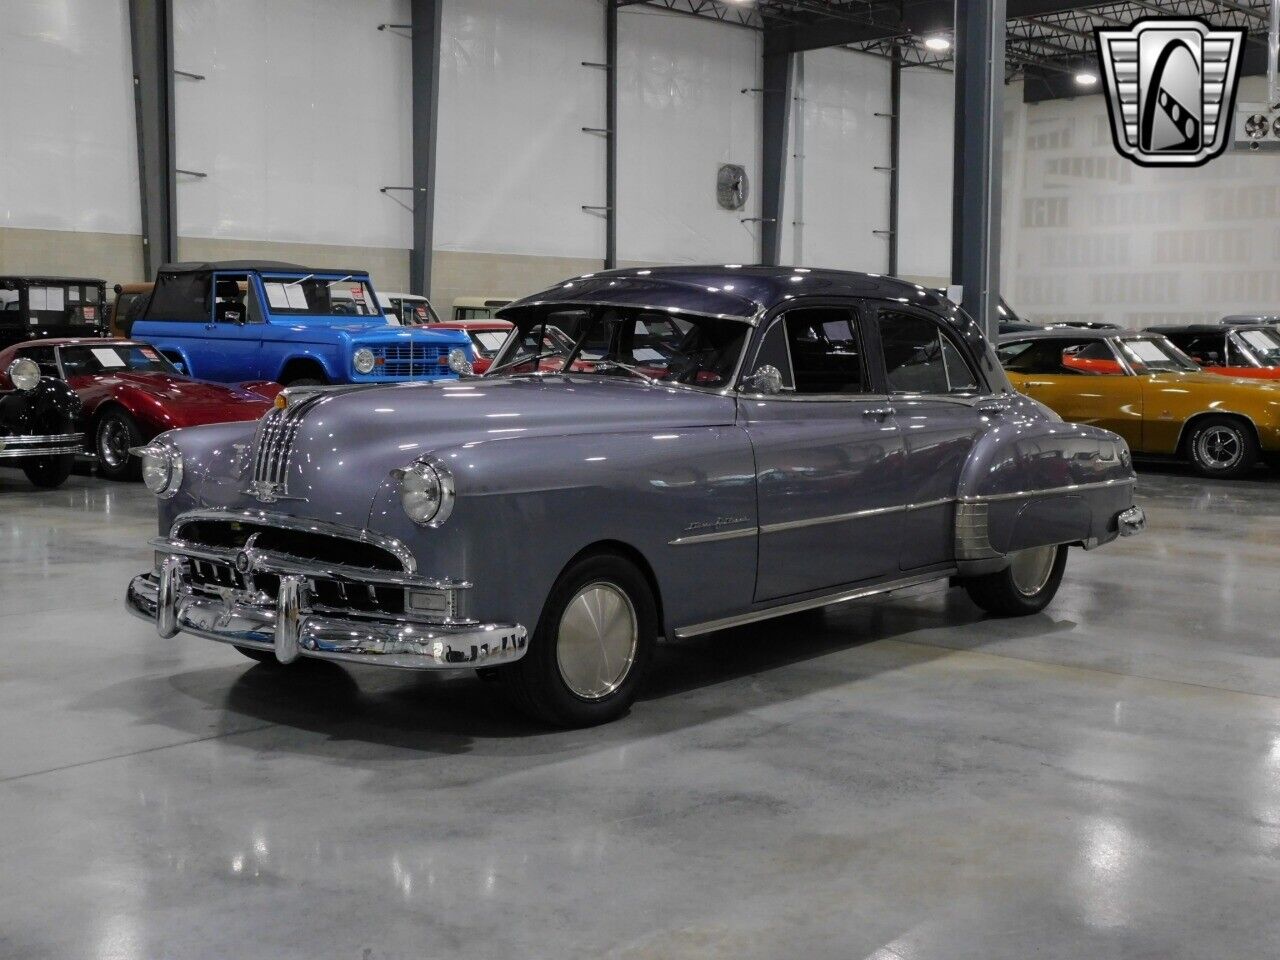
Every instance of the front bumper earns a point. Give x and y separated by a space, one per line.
288 626
50 445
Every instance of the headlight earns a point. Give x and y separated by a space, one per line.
458 362
426 493
363 360
24 374
161 469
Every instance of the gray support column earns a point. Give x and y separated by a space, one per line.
151 35
979 112
426 98
775 103
611 141
895 152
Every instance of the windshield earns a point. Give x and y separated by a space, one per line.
1156 355
134 357
1264 344
626 342
487 343
319 296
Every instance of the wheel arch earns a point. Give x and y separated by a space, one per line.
632 555
296 365
1184 435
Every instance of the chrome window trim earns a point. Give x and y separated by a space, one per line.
393 546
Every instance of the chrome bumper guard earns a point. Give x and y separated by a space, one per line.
51 445
290 626
1131 522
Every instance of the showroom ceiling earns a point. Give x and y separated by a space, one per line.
1046 35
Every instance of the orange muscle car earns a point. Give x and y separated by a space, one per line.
1147 390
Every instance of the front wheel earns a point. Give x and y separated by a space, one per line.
49 472
305 382
1026 586
116 433
1222 447
592 644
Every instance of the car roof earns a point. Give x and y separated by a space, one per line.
1193 328
727 290
1074 333
253 266
80 342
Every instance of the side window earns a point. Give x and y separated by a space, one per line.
920 358
180 297
1206 350
826 356
1235 356
773 352
45 360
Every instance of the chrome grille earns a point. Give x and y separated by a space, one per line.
274 445
409 359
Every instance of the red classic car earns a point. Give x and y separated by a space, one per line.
487 338
131 393
1230 349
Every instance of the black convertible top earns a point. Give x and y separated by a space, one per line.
253 266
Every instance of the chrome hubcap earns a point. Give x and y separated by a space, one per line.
1031 568
1219 447
597 640
113 444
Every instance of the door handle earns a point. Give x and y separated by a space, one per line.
993 406
879 413
210 326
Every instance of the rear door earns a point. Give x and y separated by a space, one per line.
828 457
941 407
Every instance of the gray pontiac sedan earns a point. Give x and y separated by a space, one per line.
653 453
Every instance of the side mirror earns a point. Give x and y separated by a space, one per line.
766 380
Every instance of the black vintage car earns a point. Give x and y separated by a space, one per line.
38 417
35 307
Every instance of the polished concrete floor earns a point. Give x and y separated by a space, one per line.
893 779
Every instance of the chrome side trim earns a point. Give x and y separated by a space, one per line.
843 596
1069 488
713 537
853 515
28 440
284 522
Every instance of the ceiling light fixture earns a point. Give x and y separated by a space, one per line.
937 43
1086 79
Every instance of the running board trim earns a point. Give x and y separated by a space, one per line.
843 596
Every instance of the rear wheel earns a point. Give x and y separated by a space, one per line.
49 472
115 434
1026 586
588 655
1222 447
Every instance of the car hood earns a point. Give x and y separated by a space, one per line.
183 390
348 440
369 334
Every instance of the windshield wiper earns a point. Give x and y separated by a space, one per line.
537 358
606 364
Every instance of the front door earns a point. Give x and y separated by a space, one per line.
233 331
828 459
937 397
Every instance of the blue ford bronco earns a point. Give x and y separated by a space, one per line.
257 320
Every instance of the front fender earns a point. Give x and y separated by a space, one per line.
526 507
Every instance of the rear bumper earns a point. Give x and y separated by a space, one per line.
1131 522
50 445
287 626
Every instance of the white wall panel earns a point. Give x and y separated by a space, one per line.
682 113
1092 236
925 173
68 146
844 197
304 115
513 164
